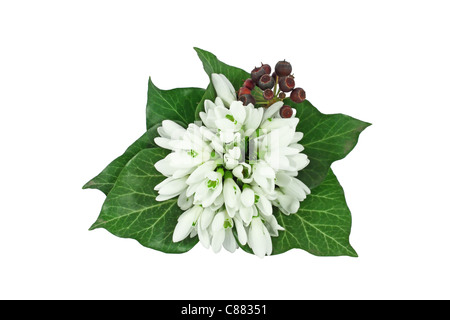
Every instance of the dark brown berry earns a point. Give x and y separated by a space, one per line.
282 95
257 73
298 95
268 94
247 99
286 83
266 82
283 68
249 84
266 68
286 111
244 90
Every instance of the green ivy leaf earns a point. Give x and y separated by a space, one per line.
131 211
106 179
322 224
327 138
212 65
177 104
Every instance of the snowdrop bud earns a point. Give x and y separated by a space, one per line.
259 238
253 120
172 129
224 88
184 202
241 232
231 191
264 205
247 213
171 189
186 222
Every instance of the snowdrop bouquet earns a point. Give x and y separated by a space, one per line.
235 165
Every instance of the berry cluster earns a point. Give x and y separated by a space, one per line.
264 88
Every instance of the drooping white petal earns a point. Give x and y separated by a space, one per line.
185 223
217 240
298 161
173 187
200 173
165 166
164 143
204 237
238 111
272 110
247 213
288 203
219 102
223 88
282 179
247 197
297 137
173 129
229 242
184 202
272 225
241 232
218 221
264 205
231 193
206 218
259 238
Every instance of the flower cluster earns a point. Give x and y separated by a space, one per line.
230 170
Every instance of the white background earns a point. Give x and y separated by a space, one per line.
73 77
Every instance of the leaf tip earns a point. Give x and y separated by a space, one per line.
88 185
94 226
352 252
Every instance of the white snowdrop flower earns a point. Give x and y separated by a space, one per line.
263 204
222 235
264 176
296 189
228 172
212 113
247 196
233 122
272 111
208 189
272 225
241 230
184 202
253 119
203 230
243 172
224 88
186 223
247 213
259 238
232 194
232 158
170 188
287 203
